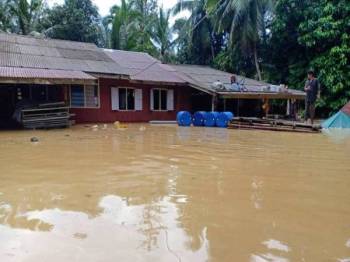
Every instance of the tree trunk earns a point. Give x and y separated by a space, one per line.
212 41
257 62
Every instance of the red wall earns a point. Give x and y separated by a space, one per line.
105 114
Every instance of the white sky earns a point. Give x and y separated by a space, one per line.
105 5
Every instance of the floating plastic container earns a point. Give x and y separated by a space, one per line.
184 118
210 119
198 118
223 119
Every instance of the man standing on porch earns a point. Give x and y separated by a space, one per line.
312 89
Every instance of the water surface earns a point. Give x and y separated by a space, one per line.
164 193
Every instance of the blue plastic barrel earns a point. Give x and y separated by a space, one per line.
224 119
184 118
210 119
198 118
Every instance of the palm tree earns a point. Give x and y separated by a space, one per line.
163 35
107 23
5 18
144 20
121 23
130 25
244 20
199 30
26 14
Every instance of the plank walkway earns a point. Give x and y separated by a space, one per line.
273 125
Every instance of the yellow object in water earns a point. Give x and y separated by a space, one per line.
119 125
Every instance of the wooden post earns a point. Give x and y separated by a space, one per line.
266 107
213 102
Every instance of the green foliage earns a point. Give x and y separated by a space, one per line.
5 17
232 60
121 24
132 26
244 22
163 35
21 16
326 35
198 43
76 20
312 35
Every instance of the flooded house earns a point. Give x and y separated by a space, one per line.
89 84
37 71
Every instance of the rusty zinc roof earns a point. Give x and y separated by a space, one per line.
30 52
18 74
143 67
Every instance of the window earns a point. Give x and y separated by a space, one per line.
126 99
162 100
84 96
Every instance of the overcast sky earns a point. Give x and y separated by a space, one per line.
105 5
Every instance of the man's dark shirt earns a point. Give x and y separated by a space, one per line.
311 95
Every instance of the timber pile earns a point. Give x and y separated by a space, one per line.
52 115
273 125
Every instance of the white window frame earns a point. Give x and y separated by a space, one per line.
135 99
160 100
85 107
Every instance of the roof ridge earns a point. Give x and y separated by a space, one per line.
46 39
125 51
129 51
50 56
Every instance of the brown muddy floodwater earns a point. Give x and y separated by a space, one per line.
164 193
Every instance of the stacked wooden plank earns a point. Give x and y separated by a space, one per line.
273 125
53 115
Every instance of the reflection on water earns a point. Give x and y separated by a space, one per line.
163 193
337 135
116 233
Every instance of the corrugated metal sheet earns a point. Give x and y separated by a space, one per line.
143 67
23 51
205 77
30 73
158 73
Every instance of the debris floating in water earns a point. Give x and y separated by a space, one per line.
119 125
34 140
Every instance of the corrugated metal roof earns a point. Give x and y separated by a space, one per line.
29 52
143 67
204 77
346 109
32 73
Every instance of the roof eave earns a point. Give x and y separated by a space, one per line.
111 76
152 82
203 89
47 81
258 95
